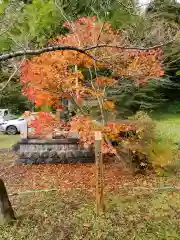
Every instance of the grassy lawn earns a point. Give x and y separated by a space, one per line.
168 136
134 214
7 141
168 127
70 215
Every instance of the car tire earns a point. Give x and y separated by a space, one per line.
11 130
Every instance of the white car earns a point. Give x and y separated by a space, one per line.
12 127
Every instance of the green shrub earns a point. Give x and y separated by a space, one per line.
174 107
146 151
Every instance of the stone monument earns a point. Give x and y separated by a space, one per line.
57 149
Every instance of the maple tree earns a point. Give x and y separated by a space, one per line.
53 76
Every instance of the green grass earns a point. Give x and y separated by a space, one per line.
168 136
71 216
168 127
168 131
6 141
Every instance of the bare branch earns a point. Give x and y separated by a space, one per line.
69 22
128 48
128 9
11 24
30 52
11 77
14 40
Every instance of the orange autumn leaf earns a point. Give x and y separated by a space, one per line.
53 76
109 105
46 78
105 81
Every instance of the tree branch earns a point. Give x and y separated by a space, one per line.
29 52
77 39
128 48
84 50
11 24
11 77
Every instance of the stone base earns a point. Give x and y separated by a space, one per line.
54 151
54 161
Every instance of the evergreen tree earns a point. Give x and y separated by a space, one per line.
10 95
165 17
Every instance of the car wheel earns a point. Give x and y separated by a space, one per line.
11 130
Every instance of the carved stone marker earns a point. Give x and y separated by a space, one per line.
6 211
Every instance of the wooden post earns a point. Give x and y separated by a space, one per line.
6 211
99 173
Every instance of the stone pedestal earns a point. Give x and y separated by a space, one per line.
36 151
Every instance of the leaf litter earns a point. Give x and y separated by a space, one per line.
19 178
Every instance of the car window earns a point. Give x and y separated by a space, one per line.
20 119
5 112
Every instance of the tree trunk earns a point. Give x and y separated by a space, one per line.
6 211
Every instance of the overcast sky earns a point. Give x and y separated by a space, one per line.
147 1
144 3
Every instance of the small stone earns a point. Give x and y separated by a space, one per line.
71 160
73 147
34 156
61 155
39 161
69 154
78 154
65 161
29 161
85 153
45 155
27 155
49 160
53 154
42 161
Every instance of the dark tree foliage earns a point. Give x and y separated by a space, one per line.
169 11
11 97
